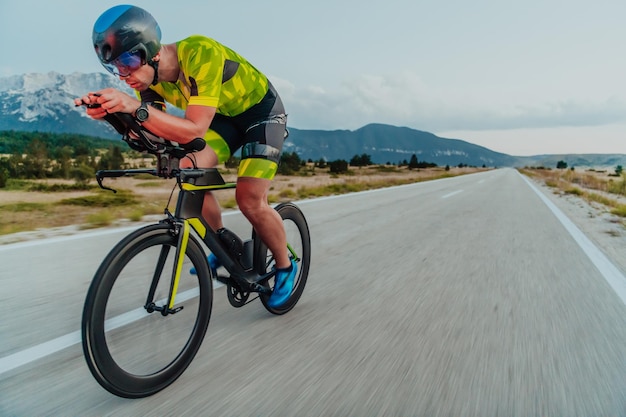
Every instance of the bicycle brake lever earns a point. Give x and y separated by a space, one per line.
99 178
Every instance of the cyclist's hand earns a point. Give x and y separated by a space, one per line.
115 101
90 101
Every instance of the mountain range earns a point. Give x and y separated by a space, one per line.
44 103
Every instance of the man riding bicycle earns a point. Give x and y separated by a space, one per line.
226 100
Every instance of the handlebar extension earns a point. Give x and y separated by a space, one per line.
124 124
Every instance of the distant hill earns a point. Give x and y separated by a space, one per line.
44 103
385 143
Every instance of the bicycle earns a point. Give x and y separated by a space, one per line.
144 288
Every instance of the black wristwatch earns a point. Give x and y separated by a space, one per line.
141 114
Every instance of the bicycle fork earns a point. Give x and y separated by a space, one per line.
181 249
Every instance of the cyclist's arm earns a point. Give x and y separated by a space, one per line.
182 130
179 129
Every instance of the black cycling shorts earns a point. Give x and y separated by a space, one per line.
259 131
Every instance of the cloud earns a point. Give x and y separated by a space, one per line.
404 99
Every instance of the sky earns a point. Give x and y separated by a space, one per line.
522 77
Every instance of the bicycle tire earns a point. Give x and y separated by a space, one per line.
127 370
298 237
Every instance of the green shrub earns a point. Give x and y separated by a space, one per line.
574 191
83 173
600 199
149 184
52 188
14 184
617 187
99 219
620 210
102 199
136 215
21 207
288 193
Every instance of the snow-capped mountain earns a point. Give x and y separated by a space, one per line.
45 102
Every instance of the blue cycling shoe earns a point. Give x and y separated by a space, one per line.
214 263
283 287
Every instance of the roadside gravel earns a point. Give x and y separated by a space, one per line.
607 231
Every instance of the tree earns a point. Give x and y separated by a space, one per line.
339 166
16 165
413 162
289 163
84 160
36 161
4 172
619 170
82 174
361 160
561 165
112 159
64 162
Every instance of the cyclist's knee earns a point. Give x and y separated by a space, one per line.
205 158
251 195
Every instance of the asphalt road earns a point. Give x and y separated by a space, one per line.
456 297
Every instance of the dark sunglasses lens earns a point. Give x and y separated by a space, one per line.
126 63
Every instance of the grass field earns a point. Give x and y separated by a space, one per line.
37 204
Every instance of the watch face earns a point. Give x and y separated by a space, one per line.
142 114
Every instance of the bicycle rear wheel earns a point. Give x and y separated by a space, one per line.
132 350
299 243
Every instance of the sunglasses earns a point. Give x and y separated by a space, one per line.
125 64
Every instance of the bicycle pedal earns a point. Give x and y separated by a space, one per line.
262 289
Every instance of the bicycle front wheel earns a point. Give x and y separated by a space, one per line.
132 348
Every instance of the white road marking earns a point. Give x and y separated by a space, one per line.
42 350
452 193
613 276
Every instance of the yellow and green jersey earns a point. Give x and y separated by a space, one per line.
213 75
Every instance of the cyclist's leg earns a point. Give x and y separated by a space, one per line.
216 151
252 201
260 156
288 286
222 137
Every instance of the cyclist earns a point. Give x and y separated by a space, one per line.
226 100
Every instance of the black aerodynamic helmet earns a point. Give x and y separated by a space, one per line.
126 37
